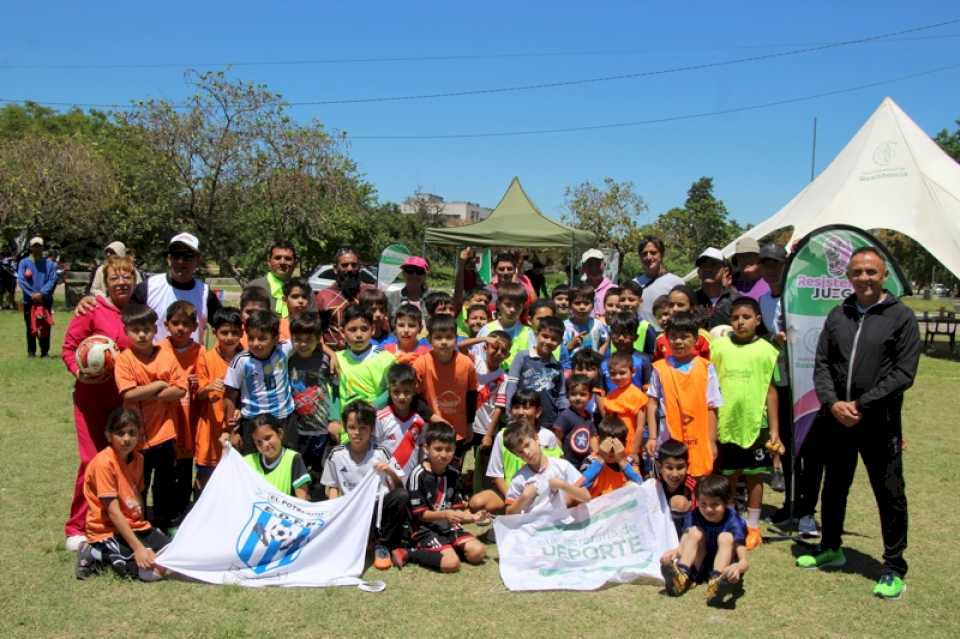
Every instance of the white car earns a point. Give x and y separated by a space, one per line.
324 277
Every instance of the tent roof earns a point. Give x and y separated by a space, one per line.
891 175
516 221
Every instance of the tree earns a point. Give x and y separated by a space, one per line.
246 174
611 212
950 142
56 186
702 221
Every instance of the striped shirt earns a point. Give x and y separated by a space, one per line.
263 383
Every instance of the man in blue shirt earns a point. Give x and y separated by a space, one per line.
37 277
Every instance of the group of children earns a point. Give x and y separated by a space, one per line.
556 402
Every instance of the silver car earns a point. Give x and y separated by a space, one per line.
324 277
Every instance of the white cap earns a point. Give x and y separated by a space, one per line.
592 254
118 248
36 240
187 240
710 253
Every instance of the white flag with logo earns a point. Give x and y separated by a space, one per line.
613 539
244 531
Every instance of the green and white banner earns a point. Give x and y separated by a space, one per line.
614 539
390 261
815 282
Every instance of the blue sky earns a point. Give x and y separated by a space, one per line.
758 159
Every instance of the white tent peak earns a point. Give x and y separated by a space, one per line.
890 175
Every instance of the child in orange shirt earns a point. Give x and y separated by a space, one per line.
151 383
626 401
687 394
448 382
612 468
118 534
181 322
211 369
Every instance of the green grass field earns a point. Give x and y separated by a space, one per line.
39 596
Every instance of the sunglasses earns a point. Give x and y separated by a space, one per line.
182 255
414 271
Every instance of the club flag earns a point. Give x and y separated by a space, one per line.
390 261
815 282
243 531
613 539
484 267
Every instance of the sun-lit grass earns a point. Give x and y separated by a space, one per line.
39 596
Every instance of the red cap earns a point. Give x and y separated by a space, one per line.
416 261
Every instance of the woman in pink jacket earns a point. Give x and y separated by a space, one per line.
95 399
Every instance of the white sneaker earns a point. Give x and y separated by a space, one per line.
807 527
75 542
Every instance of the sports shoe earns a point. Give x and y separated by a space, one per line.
823 559
807 527
718 587
400 557
75 542
777 482
676 578
890 587
781 519
381 558
754 538
87 565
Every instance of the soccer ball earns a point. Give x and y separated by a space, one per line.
720 331
96 355
280 531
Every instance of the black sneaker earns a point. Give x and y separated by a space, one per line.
87 565
718 588
676 579
782 520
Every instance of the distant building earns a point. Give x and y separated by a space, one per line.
454 213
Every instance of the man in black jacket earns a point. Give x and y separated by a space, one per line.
867 357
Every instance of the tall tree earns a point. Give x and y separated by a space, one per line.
702 221
612 211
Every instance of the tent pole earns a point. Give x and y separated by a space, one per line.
813 153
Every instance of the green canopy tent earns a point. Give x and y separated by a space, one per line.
516 221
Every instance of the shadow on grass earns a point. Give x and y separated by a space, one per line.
941 350
858 563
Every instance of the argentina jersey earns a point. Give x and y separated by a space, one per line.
264 384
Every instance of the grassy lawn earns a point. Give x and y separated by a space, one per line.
39 596
932 305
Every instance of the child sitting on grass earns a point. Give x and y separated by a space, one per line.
612 468
543 482
712 547
118 534
438 510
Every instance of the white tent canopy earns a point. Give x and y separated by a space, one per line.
891 175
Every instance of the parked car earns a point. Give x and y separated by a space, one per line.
324 277
939 290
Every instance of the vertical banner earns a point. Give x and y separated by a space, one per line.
815 282
390 260
484 268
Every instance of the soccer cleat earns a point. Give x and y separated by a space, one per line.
400 557
807 527
890 587
676 578
381 558
754 538
825 558
86 563
718 587
75 542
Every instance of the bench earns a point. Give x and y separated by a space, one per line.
942 323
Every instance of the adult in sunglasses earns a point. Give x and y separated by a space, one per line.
178 283
415 270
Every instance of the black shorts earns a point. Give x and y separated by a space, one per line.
754 460
114 553
438 538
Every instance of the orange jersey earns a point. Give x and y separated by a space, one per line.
212 417
108 477
188 415
445 387
627 403
158 417
687 412
607 481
